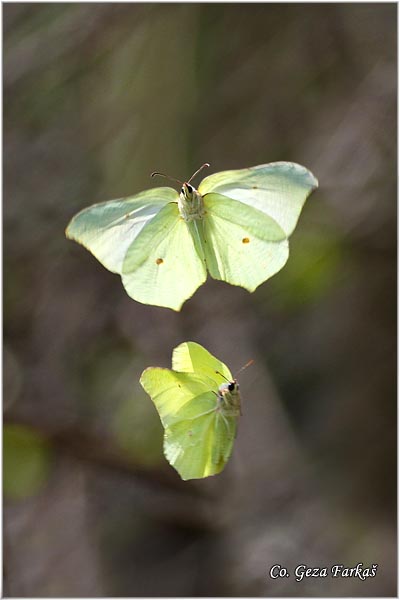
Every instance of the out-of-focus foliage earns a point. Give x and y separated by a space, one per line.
26 461
137 428
96 97
311 272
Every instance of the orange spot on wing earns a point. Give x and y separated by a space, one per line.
159 261
245 240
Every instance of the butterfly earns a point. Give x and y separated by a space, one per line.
199 406
162 243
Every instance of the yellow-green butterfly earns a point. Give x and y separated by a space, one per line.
235 226
199 405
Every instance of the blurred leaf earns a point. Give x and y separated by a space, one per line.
138 430
12 377
310 272
26 461
111 397
104 374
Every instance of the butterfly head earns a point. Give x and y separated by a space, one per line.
230 387
190 202
187 191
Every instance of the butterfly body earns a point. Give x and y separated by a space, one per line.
190 203
198 402
234 227
229 402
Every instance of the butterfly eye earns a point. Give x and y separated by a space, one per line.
189 188
231 386
183 190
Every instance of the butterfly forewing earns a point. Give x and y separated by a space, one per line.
108 229
278 189
172 391
193 358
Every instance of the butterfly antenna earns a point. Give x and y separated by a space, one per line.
244 367
198 171
218 373
166 176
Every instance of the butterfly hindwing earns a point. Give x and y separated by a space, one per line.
243 245
190 439
162 266
200 447
225 433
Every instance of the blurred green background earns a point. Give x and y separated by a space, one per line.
96 97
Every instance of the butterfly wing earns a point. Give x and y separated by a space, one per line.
109 228
198 440
243 246
225 434
199 445
278 189
171 391
162 266
192 358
